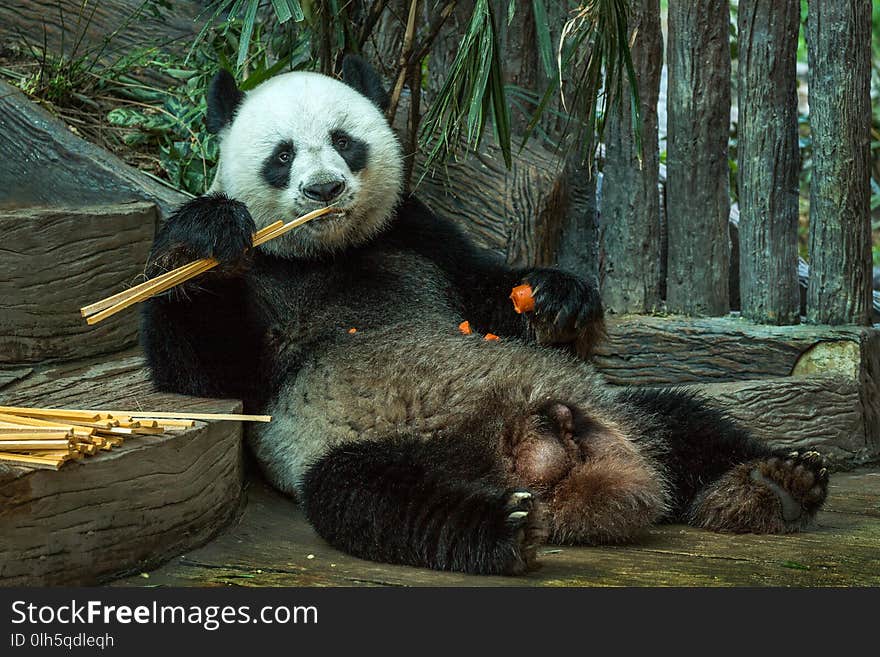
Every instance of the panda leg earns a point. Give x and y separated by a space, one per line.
597 486
432 503
722 478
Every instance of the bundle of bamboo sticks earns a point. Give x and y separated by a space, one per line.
50 437
101 310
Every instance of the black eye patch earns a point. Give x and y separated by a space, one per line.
354 151
276 167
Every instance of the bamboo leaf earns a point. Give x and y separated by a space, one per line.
542 31
297 10
282 10
247 30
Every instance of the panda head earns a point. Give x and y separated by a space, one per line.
301 141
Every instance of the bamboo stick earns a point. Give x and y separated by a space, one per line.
205 416
86 416
33 435
168 423
6 428
18 419
36 445
103 309
121 296
33 461
153 288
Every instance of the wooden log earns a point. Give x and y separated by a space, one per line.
839 49
57 259
697 168
824 413
578 250
517 212
77 29
644 350
42 163
769 160
630 227
88 522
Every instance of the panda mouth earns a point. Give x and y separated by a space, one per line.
329 219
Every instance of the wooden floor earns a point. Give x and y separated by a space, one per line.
272 545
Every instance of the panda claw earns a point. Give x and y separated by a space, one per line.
521 495
516 515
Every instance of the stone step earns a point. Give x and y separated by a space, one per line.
124 510
57 260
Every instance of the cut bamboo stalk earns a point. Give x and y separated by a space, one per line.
32 461
186 416
7 428
170 279
172 424
121 296
18 419
33 435
86 416
36 445
153 289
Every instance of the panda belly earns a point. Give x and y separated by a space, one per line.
427 382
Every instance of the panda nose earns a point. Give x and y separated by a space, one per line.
325 192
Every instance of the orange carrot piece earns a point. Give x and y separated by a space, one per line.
465 328
352 330
523 301
490 336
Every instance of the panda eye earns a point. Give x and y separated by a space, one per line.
283 157
341 142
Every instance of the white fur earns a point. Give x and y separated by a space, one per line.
305 108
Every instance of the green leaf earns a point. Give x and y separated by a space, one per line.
247 30
282 10
542 31
297 10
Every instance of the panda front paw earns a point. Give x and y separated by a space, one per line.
568 310
210 226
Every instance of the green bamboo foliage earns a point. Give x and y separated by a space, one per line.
472 92
592 64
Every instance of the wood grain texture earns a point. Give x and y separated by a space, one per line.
65 22
42 163
272 544
839 49
644 350
630 226
697 200
824 413
517 212
769 160
123 510
57 260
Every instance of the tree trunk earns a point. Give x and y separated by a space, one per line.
697 199
839 47
768 160
630 227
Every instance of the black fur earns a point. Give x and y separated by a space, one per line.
214 335
482 281
224 97
403 500
355 152
701 442
360 76
276 170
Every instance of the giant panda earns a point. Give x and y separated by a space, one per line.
404 440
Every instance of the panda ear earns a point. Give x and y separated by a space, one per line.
362 77
224 97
